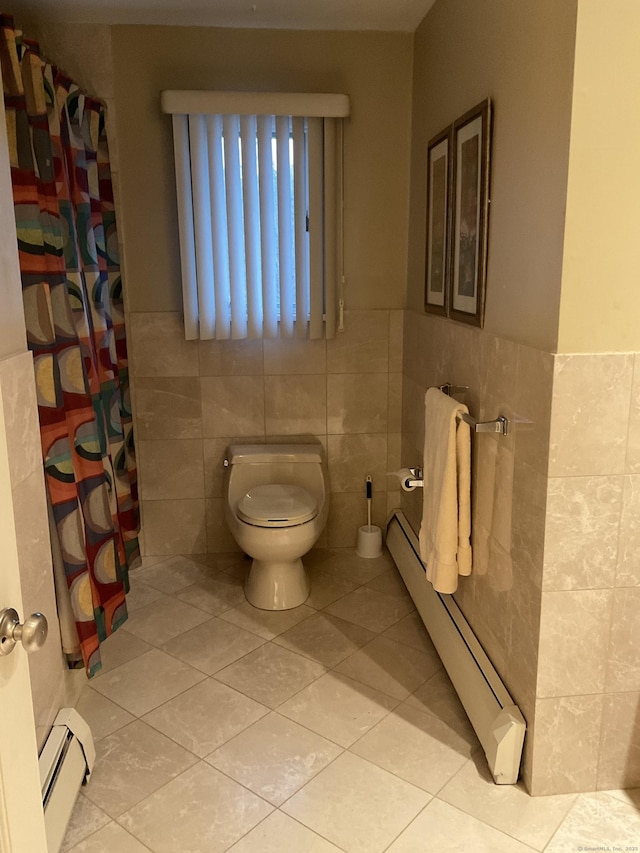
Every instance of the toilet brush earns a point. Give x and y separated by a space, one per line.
369 536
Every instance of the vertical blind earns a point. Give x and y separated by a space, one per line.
257 179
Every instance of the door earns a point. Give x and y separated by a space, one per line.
21 815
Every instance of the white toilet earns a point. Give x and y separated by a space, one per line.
276 508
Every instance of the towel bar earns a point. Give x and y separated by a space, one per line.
500 425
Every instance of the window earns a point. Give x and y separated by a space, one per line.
257 179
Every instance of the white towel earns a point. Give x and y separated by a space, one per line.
445 531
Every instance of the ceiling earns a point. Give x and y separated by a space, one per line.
389 15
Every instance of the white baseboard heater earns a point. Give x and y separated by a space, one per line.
66 761
497 721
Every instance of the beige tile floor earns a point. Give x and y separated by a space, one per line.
331 727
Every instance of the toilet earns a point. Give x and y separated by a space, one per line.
276 508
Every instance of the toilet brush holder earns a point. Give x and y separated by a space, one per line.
369 541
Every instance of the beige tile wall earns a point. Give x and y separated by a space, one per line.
193 398
501 599
589 665
555 593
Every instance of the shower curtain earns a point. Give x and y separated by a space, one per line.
68 250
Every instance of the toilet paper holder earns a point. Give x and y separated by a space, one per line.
410 478
416 479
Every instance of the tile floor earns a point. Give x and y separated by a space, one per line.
327 728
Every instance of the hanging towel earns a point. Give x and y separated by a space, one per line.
445 531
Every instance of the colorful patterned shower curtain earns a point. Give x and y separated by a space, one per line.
68 248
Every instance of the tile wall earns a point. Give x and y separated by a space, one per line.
555 593
588 696
193 398
501 599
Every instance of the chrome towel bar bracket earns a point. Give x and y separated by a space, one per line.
500 425
450 389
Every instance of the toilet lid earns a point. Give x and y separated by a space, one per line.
276 505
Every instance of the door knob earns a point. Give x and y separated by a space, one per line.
32 633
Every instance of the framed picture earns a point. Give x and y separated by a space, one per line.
438 223
470 201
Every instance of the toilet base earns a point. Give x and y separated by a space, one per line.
277 584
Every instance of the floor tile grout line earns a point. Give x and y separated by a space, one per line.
141 800
504 832
119 728
212 676
163 702
199 759
304 784
169 737
244 731
562 822
495 828
236 782
392 772
207 675
275 639
319 834
355 680
204 675
373 764
88 837
302 689
284 700
326 736
175 778
266 639
412 821
141 717
343 751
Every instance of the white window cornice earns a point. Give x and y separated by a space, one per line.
196 102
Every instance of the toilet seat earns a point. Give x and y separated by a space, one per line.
276 505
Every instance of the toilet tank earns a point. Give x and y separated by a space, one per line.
249 465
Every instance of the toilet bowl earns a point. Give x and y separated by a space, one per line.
276 508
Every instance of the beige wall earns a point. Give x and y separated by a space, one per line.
587 716
554 593
600 301
374 69
521 55
192 399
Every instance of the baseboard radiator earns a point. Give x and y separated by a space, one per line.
497 721
66 761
